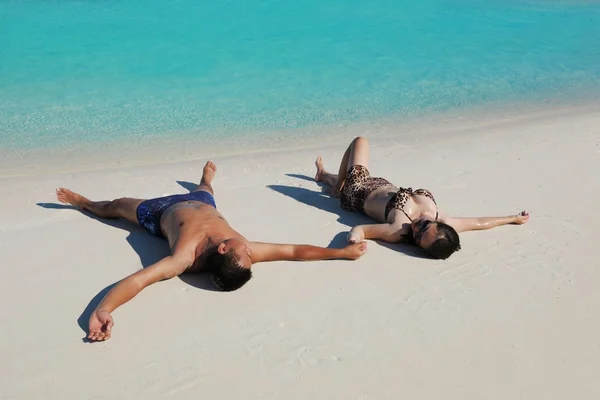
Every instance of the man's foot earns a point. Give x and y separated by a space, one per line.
320 169
68 197
210 169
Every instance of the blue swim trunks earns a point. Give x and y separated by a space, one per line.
150 211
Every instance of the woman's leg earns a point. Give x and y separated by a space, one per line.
120 208
356 154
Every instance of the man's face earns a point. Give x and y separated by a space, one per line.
241 251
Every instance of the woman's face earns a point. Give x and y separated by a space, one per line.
424 231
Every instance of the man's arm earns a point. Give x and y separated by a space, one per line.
464 224
261 252
386 232
101 322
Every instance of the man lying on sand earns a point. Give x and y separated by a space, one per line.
200 240
403 214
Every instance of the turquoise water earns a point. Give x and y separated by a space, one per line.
89 71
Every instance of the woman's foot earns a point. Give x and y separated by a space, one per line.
68 197
327 178
320 169
208 174
334 192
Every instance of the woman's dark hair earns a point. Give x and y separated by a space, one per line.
225 272
447 242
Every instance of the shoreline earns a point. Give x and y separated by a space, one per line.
164 151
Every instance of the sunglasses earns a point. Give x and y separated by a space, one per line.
424 226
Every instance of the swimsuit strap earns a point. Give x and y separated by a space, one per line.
410 193
392 202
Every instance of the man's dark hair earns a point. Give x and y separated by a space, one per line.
447 242
225 272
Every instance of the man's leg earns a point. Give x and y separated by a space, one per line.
356 154
120 208
208 174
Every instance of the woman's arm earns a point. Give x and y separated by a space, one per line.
385 232
463 224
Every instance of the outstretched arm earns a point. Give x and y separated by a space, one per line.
386 232
262 252
101 322
464 224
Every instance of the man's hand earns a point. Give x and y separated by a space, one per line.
100 326
356 250
101 322
521 218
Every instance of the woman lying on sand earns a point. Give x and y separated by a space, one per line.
403 214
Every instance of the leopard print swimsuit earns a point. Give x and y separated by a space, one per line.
360 184
398 201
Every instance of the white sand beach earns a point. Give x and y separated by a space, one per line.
513 315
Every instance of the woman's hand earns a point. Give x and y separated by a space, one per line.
355 236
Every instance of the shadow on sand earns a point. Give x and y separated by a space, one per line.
149 249
322 201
